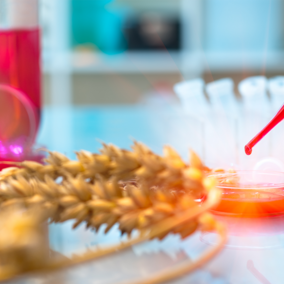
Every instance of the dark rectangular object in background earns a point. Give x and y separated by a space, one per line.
153 32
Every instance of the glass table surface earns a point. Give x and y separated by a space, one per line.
255 249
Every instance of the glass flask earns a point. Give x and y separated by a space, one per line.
20 78
20 48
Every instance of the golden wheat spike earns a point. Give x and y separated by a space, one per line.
137 189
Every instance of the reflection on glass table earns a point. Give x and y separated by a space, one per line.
255 246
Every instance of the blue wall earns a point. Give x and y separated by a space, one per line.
236 25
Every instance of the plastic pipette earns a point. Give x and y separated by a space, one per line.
276 119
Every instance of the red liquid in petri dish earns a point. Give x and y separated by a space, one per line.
248 204
251 194
20 62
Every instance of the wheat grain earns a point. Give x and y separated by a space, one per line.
137 189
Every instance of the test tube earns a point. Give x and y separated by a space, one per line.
220 128
255 115
253 92
189 127
276 90
191 95
222 97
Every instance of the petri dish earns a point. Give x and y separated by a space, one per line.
18 124
251 193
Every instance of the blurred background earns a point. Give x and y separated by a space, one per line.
110 69
122 51
199 74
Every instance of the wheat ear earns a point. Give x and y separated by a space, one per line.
137 189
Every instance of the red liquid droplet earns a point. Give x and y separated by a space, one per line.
248 150
275 120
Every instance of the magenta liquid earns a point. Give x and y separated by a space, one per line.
20 62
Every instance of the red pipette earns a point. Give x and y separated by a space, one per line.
275 120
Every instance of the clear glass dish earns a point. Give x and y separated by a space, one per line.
251 193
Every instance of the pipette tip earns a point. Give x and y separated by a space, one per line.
248 150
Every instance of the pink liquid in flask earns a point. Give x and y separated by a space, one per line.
20 62
20 79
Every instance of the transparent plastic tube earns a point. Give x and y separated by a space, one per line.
276 90
221 94
191 95
253 92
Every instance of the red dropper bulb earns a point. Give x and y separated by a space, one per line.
275 120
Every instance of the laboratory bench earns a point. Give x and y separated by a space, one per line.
254 252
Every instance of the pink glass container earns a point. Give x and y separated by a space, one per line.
20 79
20 48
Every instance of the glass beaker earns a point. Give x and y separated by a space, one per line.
20 49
